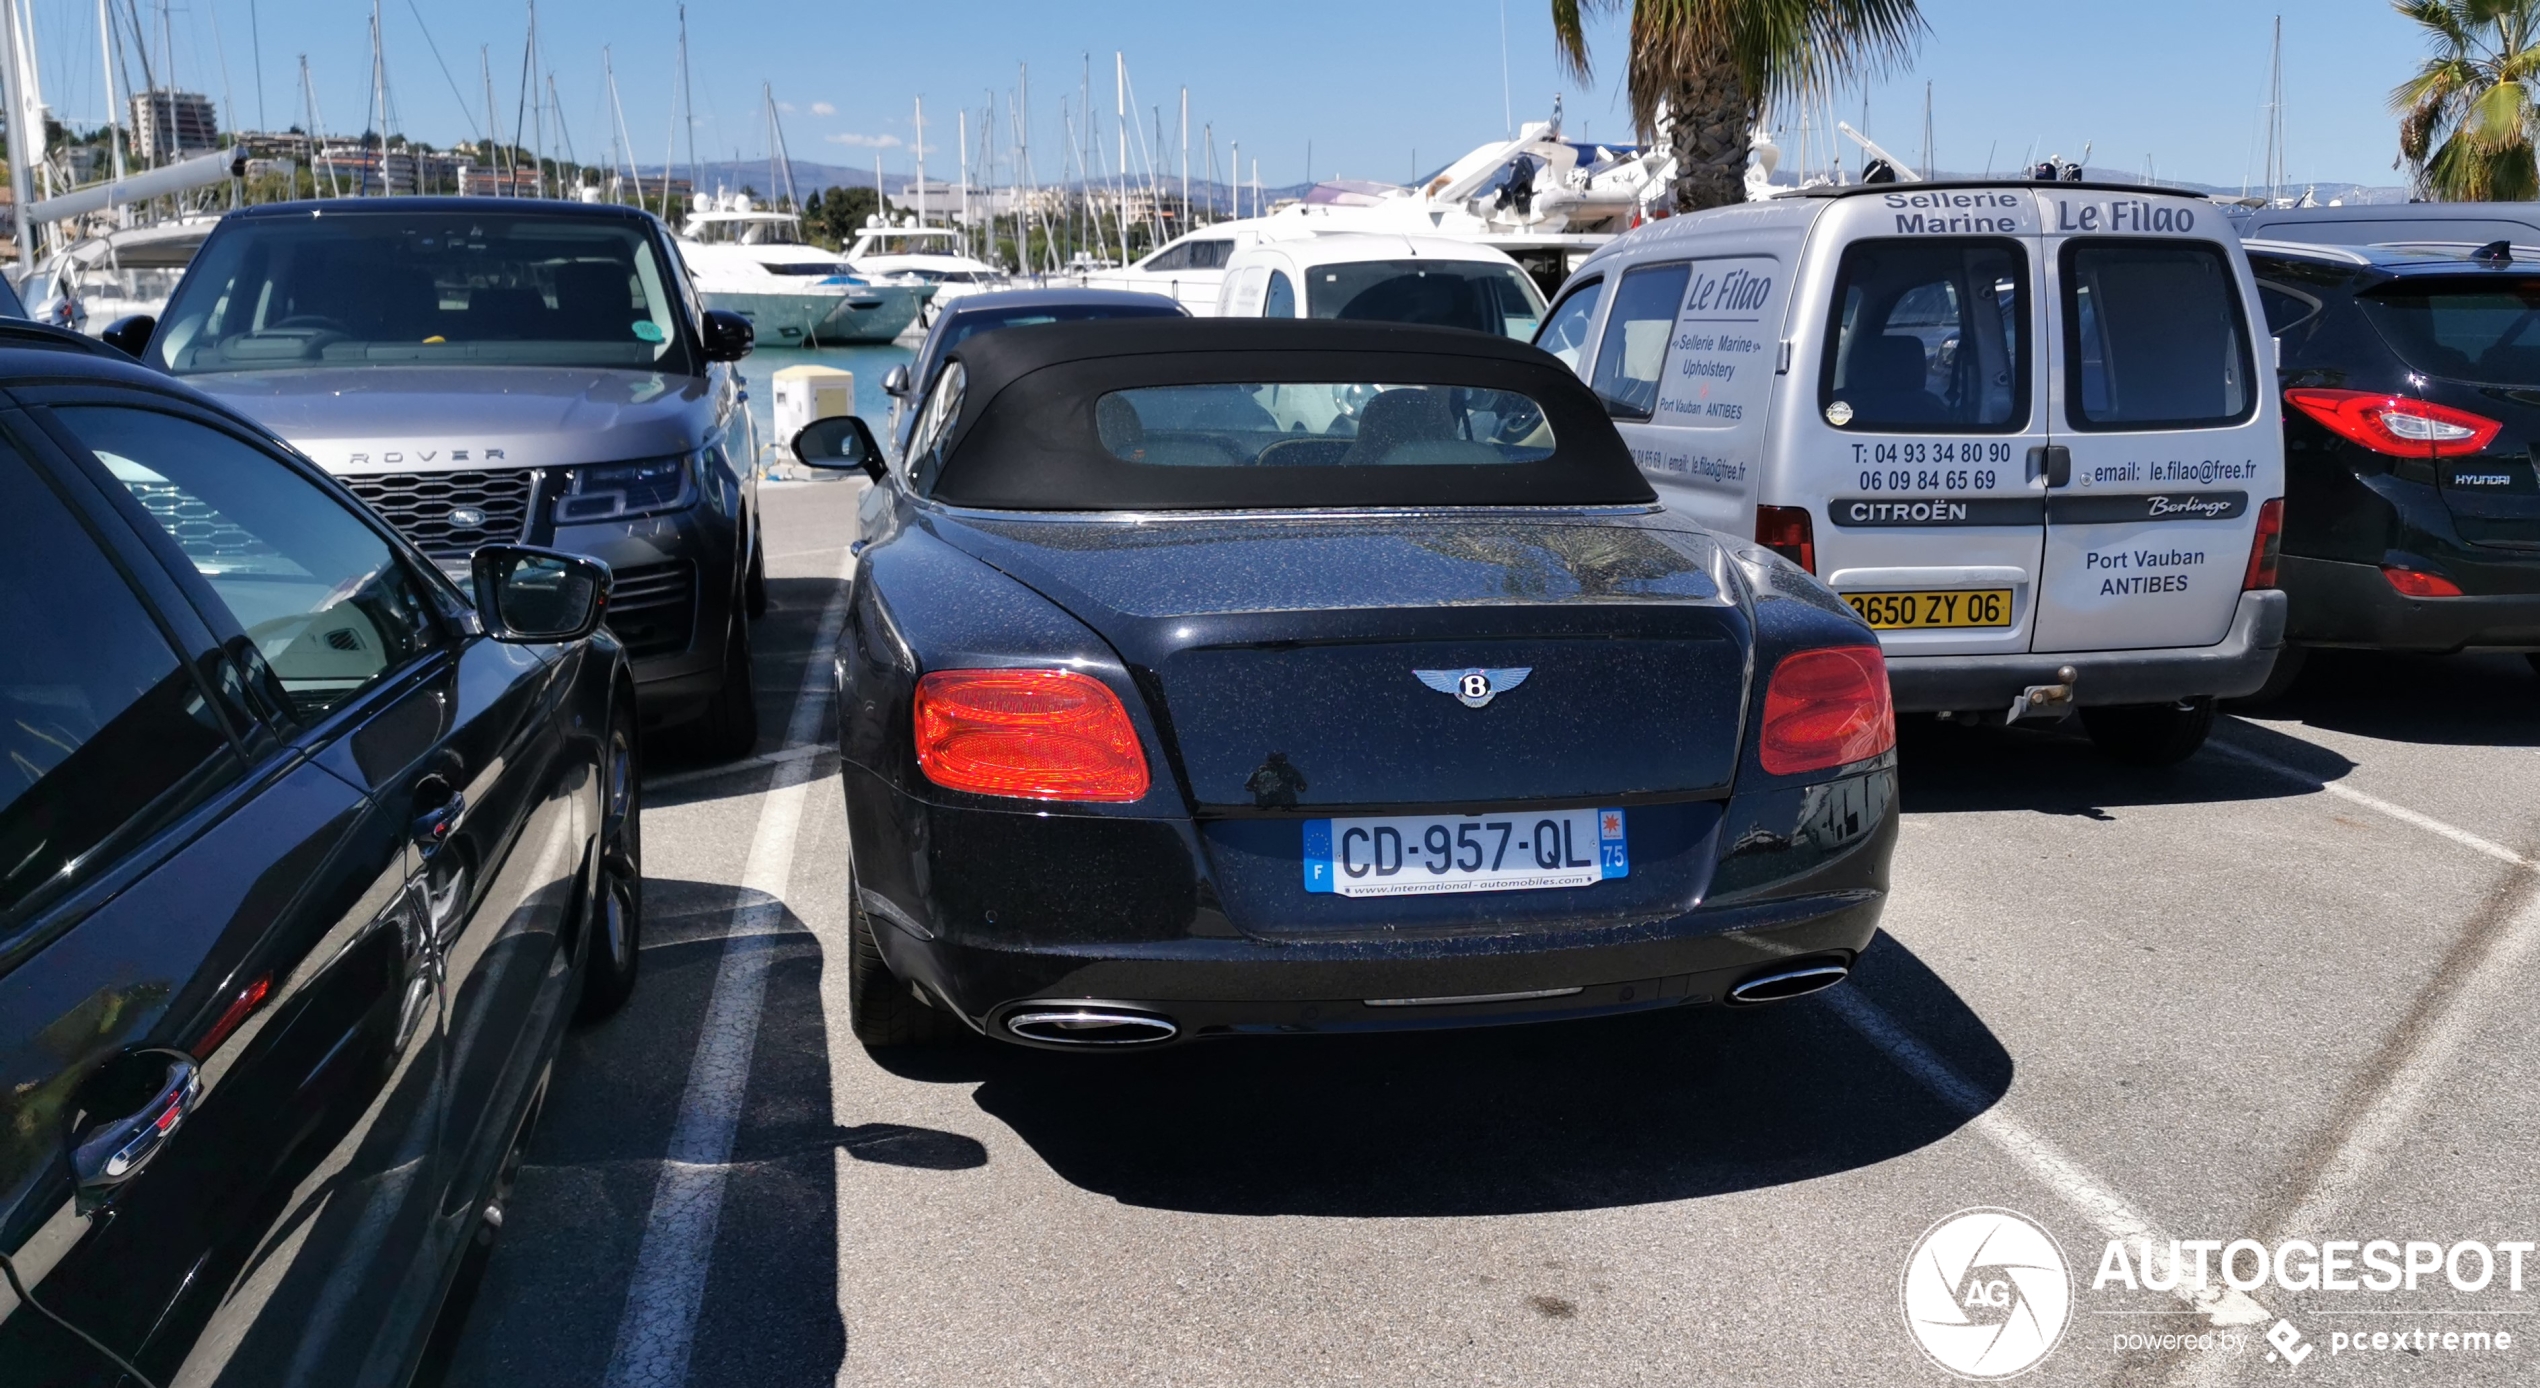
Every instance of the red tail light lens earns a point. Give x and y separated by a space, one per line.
1826 708
2417 583
2397 426
1035 734
2266 547
1788 532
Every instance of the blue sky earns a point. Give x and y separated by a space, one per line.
1377 87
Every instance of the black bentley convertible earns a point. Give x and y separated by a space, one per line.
1208 677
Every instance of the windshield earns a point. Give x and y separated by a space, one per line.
2480 329
1322 424
1475 294
969 325
492 288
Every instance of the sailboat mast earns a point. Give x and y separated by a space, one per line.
1186 155
688 107
1120 121
919 149
114 104
18 186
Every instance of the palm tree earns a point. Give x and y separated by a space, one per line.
1715 64
2466 121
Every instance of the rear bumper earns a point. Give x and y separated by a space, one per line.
1232 987
2344 604
2235 666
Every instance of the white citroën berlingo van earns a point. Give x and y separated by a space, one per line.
2027 430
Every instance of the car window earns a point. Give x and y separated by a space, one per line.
1565 330
100 720
320 593
1479 295
2153 337
1192 255
1321 424
1281 302
2484 328
1635 345
943 406
2285 308
1928 335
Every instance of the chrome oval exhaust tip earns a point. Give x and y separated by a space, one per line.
1062 1025
1795 982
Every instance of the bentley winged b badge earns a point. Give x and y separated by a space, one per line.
1474 688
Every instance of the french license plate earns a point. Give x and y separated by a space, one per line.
1964 607
1423 855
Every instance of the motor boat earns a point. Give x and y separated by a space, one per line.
95 280
923 255
753 261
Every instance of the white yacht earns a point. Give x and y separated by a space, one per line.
753 261
95 280
924 255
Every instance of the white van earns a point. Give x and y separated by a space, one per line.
2028 431
1381 277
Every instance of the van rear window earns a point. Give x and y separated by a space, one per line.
2484 329
1929 336
2154 337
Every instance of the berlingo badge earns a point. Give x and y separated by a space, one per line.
1474 688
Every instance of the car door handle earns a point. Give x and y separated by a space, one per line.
107 1152
440 808
2054 461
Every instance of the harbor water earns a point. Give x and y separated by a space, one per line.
870 361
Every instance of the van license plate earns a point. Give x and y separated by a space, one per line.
1965 607
1425 855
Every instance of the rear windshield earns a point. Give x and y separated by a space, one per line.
1322 424
1473 294
2154 337
498 288
2480 329
1928 336
970 325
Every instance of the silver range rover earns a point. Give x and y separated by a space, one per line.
513 371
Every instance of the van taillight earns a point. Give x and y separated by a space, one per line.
1036 734
1827 707
2395 425
2266 547
1788 532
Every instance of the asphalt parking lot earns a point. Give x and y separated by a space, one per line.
2288 991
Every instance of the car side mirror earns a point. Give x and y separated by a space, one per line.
896 383
838 443
131 334
527 595
728 335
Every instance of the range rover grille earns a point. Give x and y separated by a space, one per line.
421 506
653 607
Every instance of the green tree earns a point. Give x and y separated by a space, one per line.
1715 64
2466 121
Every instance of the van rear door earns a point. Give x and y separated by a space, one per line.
2168 442
1911 446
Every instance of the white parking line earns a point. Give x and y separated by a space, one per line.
2375 803
658 1328
776 758
2023 1144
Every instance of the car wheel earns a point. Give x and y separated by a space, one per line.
881 1009
614 939
729 727
754 588
2150 734
2289 666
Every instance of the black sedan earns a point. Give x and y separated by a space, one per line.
305 862
2411 384
1208 677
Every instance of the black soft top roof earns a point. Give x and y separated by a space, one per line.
1026 437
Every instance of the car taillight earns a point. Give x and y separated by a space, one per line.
2417 583
1827 708
2395 425
1036 734
1788 532
2266 547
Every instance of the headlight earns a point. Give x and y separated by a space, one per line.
610 491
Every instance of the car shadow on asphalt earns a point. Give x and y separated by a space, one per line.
1512 1120
781 641
2452 700
2051 768
545 1307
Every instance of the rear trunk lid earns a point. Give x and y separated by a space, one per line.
2474 341
1297 664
